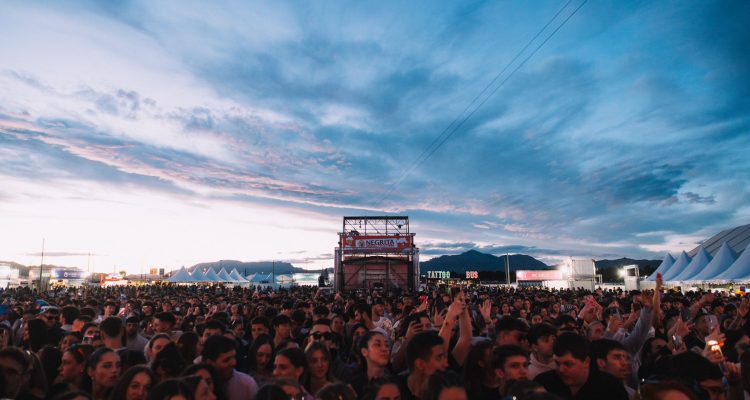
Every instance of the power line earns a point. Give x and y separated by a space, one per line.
445 131
450 130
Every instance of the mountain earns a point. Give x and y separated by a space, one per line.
473 260
247 268
23 271
609 269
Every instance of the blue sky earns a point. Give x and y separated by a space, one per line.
171 133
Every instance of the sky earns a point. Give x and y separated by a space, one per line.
139 134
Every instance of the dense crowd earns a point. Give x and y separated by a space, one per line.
213 342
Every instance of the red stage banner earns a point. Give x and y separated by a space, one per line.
543 275
376 244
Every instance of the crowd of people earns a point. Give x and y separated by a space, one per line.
166 342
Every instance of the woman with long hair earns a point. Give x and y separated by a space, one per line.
188 343
103 370
68 339
271 391
168 363
51 359
6 336
477 371
291 364
336 391
201 390
70 374
260 359
171 389
350 353
319 363
382 389
209 375
374 356
34 335
445 385
155 345
134 384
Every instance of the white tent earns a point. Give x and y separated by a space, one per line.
723 259
663 267
236 276
210 276
224 276
181 276
701 259
198 275
250 277
739 270
682 261
284 280
262 278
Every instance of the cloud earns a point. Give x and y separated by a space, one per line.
59 254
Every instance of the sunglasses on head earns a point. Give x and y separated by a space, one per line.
324 335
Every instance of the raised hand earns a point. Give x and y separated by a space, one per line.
414 328
744 307
614 324
486 309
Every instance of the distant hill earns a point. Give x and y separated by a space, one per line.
247 268
609 269
473 260
23 270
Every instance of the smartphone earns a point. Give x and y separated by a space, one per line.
713 345
677 341
712 321
454 292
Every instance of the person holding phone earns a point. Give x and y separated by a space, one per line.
701 328
411 325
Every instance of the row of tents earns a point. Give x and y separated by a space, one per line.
724 267
211 276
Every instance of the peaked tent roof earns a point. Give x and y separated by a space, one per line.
224 276
723 259
701 259
682 261
663 267
739 270
250 277
181 276
236 276
210 276
262 278
198 275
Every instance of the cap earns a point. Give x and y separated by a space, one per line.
49 310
